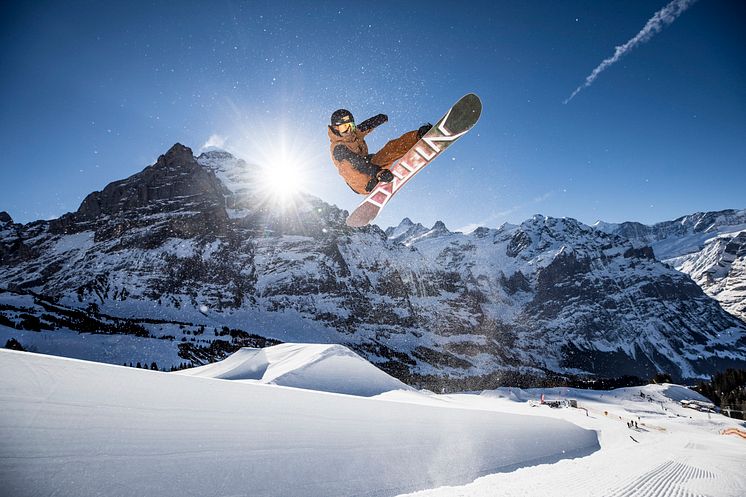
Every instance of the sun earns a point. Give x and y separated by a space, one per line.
282 177
282 159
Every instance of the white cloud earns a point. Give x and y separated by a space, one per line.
655 24
215 140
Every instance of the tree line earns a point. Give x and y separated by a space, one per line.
727 390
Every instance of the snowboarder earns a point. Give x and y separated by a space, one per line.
459 119
363 171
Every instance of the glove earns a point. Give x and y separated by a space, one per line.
384 175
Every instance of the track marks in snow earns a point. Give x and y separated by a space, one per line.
666 480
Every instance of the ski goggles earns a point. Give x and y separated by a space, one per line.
346 127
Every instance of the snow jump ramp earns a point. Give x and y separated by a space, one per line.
72 427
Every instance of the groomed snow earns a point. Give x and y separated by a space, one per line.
327 368
673 451
71 427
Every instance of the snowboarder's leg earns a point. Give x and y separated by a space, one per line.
395 149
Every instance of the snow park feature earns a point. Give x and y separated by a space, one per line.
327 368
242 427
81 428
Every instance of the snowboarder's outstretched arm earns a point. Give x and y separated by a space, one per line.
372 123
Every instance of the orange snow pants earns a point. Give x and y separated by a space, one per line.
394 150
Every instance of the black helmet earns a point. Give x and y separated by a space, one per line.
342 116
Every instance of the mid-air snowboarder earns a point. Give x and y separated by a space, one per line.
362 171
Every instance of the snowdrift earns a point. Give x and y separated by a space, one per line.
71 427
327 368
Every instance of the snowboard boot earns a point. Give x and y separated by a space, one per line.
424 129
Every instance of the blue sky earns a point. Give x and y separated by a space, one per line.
93 92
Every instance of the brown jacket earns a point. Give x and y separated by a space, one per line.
350 155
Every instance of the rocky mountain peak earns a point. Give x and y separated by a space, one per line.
440 227
405 231
175 196
178 154
5 218
175 175
481 232
235 174
215 154
555 228
537 219
703 222
698 226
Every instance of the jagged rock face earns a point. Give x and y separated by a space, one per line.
176 196
175 175
720 269
191 240
707 246
13 250
602 304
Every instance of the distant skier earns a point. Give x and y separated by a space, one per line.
363 171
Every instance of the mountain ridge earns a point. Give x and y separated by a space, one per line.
547 296
708 246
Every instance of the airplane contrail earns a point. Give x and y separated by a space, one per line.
655 24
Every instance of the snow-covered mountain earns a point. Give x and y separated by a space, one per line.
406 231
708 246
601 298
193 254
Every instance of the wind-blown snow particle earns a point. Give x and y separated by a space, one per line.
655 24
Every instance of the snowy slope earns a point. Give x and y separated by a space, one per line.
328 368
708 246
673 451
720 269
78 428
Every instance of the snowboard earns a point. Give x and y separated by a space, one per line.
456 123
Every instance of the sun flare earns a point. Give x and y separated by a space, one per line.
283 164
282 178
282 159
